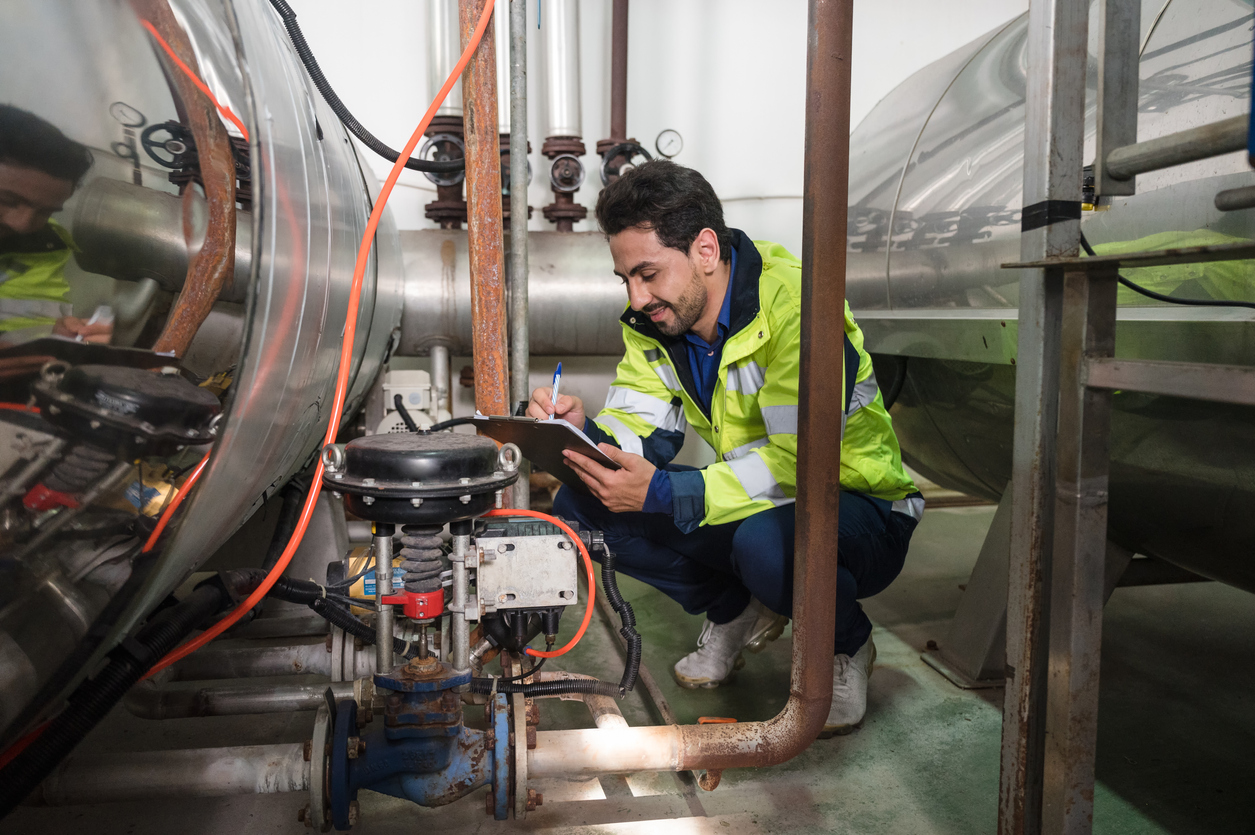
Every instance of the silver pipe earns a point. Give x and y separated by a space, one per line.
573 299
592 751
503 37
200 772
605 710
1235 199
444 49
383 587
31 471
148 700
132 233
1212 140
461 628
440 382
520 359
560 39
253 662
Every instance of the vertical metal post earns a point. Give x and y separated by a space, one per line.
460 656
520 333
441 390
1080 548
1118 81
1053 144
618 70
484 225
383 587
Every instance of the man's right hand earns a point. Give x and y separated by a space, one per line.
570 409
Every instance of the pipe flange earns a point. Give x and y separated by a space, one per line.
501 757
320 744
338 777
518 710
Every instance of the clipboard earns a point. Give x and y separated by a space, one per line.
543 441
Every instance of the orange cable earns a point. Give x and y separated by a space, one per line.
346 357
588 566
202 86
168 513
19 407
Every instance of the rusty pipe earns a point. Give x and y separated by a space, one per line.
215 263
618 70
691 747
484 224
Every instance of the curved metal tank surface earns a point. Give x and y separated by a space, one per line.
939 312
273 337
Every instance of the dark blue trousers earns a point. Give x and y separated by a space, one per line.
715 569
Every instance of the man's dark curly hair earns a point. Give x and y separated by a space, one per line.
27 141
677 203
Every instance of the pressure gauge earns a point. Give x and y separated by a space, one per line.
669 143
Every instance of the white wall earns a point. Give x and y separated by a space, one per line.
729 75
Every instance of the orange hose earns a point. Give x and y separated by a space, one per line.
202 86
168 513
346 357
19 407
588 566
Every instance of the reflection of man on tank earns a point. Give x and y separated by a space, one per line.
39 169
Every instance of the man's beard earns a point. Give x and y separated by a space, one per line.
687 309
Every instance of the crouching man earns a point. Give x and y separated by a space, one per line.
712 336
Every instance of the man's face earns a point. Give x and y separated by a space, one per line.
663 283
28 197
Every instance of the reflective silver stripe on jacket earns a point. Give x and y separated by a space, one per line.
780 420
747 378
663 415
669 379
33 308
628 440
757 481
912 506
864 393
744 449
652 355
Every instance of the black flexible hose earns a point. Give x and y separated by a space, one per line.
1151 294
448 424
345 620
95 697
530 672
399 402
585 686
333 101
633 639
293 500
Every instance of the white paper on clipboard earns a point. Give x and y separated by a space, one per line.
543 441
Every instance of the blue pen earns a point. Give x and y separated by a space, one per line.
557 379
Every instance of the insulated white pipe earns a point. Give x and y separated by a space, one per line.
501 31
444 49
560 40
605 750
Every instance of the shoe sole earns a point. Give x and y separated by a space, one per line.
758 642
707 683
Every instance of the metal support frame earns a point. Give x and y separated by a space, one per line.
1118 59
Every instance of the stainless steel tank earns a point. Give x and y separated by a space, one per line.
935 196
90 69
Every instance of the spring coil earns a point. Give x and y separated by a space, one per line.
81 467
420 558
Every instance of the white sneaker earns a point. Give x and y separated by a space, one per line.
718 654
849 690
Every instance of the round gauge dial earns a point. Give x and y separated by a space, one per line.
669 143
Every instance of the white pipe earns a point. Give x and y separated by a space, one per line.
605 710
605 751
560 38
203 772
501 31
444 49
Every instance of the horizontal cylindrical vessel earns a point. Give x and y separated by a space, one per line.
574 298
204 772
560 39
1190 145
151 701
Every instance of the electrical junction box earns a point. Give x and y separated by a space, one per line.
415 390
526 572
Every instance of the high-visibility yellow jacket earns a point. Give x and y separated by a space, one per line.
33 289
752 423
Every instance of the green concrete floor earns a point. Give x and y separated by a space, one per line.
1176 731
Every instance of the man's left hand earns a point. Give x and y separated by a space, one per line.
621 491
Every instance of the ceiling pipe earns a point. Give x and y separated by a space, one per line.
484 223
720 746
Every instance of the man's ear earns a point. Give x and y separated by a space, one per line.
705 250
